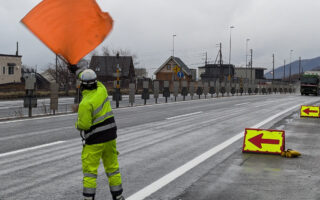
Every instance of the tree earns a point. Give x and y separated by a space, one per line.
122 52
62 75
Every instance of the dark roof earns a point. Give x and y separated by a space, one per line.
108 65
179 62
7 55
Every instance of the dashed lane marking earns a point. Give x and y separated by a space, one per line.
30 148
185 115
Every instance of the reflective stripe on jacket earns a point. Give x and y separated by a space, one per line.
95 116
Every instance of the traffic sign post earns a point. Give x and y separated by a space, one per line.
205 89
145 93
184 90
132 91
30 100
166 91
199 89
217 87
156 90
310 111
222 88
264 141
212 89
117 93
191 89
175 89
54 89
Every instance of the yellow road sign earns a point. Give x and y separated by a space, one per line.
176 69
264 141
310 111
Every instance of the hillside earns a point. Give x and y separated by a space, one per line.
306 65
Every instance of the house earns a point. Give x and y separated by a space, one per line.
10 68
106 68
245 73
212 72
166 71
42 82
141 72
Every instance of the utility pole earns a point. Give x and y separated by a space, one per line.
220 62
56 68
272 67
247 58
231 27
173 44
284 69
251 52
290 65
206 62
299 68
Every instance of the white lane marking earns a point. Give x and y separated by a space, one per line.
37 118
185 115
155 186
239 104
31 148
36 133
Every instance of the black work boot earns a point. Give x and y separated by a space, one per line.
120 197
117 195
88 197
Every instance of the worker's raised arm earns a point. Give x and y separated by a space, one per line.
84 121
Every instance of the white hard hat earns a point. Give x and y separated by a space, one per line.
88 76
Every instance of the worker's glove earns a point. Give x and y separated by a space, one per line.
75 70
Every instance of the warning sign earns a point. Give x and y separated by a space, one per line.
310 111
264 141
176 69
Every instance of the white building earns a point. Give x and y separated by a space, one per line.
247 73
10 68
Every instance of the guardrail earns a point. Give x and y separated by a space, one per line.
200 91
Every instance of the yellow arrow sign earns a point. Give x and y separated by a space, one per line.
264 141
310 111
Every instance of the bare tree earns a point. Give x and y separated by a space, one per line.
105 51
122 52
126 52
62 75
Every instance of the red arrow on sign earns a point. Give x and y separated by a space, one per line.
307 111
257 141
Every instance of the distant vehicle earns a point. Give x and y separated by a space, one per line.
309 84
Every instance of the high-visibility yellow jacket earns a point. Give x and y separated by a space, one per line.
95 116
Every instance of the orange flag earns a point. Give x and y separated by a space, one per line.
70 28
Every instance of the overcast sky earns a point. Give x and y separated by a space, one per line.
145 27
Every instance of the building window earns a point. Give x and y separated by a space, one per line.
97 69
11 70
168 67
4 70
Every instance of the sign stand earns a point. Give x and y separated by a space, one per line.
30 100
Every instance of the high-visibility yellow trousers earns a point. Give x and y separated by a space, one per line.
91 155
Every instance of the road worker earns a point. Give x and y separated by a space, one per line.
99 131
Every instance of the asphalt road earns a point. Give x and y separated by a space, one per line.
159 147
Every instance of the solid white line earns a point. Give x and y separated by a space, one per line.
155 186
185 115
30 148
